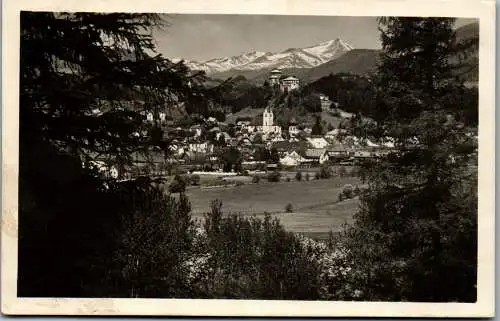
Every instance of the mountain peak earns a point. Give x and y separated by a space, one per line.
290 58
335 42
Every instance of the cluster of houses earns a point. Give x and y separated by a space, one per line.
203 143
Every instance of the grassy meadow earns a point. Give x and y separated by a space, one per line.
315 207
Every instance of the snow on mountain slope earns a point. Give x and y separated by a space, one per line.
291 58
329 50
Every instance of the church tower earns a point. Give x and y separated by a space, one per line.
267 117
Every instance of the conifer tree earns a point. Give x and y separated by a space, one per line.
415 236
317 128
86 82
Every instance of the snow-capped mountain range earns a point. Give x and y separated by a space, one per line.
291 58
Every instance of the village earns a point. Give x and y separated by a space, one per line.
248 147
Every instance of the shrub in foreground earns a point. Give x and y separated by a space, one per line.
252 258
274 177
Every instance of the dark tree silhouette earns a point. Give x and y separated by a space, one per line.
415 237
87 82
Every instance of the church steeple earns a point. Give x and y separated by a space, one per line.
267 117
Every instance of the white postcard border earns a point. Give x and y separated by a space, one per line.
483 10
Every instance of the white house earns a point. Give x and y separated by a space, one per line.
325 102
288 161
292 127
201 148
293 130
362 154
108 171
296 156
318 142
290 83
314 154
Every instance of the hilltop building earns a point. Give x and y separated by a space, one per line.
274 78
290 83
285 84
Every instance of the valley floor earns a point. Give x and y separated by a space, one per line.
316 211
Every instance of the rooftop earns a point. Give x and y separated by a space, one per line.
314 152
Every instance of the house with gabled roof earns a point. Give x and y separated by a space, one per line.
314 153
317 142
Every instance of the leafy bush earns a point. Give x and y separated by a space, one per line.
150 252
195 180
348 191
256 179
298 176
325 172
252 258
289 208
178 185
274 176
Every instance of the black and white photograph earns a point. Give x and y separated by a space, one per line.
242 156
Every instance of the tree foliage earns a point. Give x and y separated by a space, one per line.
415 237
87 81
317 128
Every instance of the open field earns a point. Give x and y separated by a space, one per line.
315 207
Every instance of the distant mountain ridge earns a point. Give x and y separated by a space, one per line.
337 56
307 57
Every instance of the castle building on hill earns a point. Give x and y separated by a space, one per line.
274 78
290 83
285 84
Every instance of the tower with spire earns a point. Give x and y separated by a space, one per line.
267 118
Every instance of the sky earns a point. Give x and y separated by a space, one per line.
203 37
